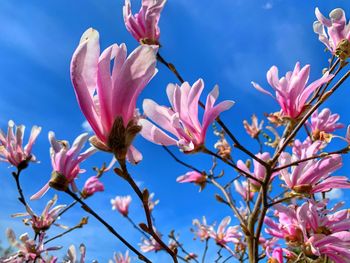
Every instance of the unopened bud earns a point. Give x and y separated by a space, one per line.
219 199
343 49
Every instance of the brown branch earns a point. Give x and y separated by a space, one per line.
108 226
80 225
181 162
143 196
19 188
207 151
178 244
229 201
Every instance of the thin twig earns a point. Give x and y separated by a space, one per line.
136 227
205 250
150 229
178 244
80 225
227 259
229 200
181 162
19 188
205 150
219 255
108 226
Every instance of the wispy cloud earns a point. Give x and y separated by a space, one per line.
267 6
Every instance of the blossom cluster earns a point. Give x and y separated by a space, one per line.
284 213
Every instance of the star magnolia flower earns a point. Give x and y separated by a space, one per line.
277 256
223 236
244 190
29 250
46 219
335 246
317 230
347 135
149 245
71 256
108 100
92 185
259 171
143 26
202 229
314 219
120 258
324 123
291 93
193 177
253 129
121 204
287 228
11 145
152 203
312 176
65 162
182 119
333 31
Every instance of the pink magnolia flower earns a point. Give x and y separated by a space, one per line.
253 129
335 246
182 119
121 204
202 229
291 93
107 97
11 145
332 31
152 203
47 218
120 258
314 219
222 236
143 26
259 171
244 189
193 177
65 162
324 123
347 135
72 257
277 256
92 185
287 228
28 250
149 245
306 148
312 176
311 227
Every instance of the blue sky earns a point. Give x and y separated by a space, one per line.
225 42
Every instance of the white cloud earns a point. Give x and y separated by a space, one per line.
268 6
